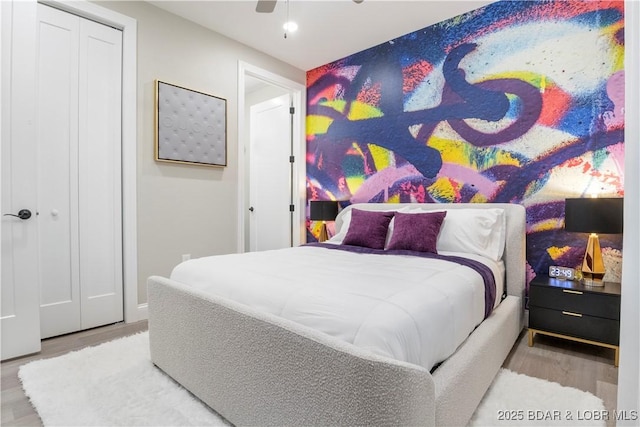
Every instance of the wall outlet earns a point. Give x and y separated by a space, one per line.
186 257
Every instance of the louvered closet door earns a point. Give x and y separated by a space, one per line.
79 178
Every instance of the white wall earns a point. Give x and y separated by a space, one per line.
629 372
186 209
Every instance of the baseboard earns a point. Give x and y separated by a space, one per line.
143 311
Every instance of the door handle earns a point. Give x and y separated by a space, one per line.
22 214
251 209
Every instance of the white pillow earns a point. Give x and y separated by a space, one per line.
477 231
340 235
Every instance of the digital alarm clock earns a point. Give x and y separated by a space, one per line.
566 273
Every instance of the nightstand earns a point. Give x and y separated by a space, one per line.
570 310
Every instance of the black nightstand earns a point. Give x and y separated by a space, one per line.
566 309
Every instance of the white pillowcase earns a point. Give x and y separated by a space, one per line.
476 231
340 235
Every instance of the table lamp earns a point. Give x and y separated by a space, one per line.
593 215
323 210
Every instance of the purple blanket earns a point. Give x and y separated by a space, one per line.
483 270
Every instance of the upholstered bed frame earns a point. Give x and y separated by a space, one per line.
254 368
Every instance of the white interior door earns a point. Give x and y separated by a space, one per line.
57 160
100 174
270 175
20 311
79 172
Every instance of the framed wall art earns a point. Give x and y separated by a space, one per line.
191 126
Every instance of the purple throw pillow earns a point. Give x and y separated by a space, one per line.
416 232
368 229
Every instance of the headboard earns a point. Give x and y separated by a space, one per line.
514 253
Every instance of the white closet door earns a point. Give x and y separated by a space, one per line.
100 186
79 179
57 92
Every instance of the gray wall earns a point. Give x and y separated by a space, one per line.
185 209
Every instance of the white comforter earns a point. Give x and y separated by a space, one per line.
409 308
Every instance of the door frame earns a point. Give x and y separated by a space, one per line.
629 371
299 95
132 310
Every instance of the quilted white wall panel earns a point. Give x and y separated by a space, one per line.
191 126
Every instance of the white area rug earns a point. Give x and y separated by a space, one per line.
115 384
519 400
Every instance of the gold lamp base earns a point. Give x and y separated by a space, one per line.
324 236
592 264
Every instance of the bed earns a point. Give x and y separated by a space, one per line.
259 365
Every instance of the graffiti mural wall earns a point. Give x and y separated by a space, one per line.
518 102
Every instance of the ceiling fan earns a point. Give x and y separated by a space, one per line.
267 6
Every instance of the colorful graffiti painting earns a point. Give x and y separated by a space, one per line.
517 102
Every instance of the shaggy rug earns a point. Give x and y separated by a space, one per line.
519 400
115 384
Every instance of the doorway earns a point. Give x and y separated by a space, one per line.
271 181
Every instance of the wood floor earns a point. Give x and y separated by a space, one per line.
569 363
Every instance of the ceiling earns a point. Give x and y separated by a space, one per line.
328 29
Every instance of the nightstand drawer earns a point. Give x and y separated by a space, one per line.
593 304
587 327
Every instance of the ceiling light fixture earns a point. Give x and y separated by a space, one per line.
290 27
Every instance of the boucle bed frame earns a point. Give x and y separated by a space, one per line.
254 368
